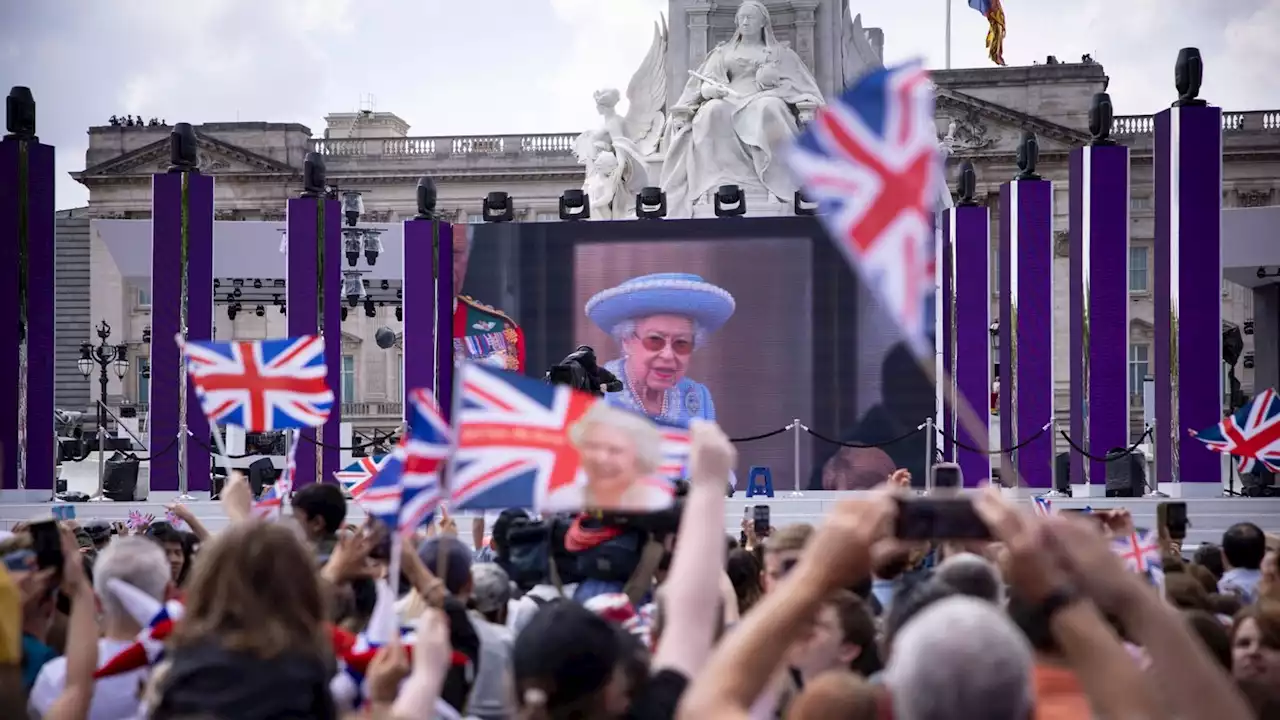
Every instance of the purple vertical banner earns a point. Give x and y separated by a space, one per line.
446 292
166 324
1188 300
944 336
1099 306
302 308
27 228
199 218
1005 404
969 230
422 240
1029 225
328 258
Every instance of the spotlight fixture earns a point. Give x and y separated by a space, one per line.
1264 273
257 284
399 314
282 310
217 283
730 201
232 310
370 310
351 246
236 293
146 332
651 203
372 246
279 282
344 314
497 207
426 198
260 311
1248 327
237 282
352 288
575 205
399 293
352 207
803 205
385 285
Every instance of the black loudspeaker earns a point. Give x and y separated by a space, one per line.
1126 475
1062 473
261 474
120 479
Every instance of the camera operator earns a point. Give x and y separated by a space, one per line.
580 371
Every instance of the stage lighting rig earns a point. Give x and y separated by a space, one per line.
352 207
344 314
370 310
232 310
260 311
399 313
575 205
352 287
498 207
730 201
651 203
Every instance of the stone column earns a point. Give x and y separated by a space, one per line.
805 23
27 284
313 282
967 233
1026 329
428 308
181 283
1188 294
1099 306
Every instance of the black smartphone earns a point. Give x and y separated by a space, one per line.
46 541
1173 517
947 475
760 520
929 518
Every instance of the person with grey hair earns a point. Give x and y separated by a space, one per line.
141 563
974 576
659 321
621 453
491 697
961 658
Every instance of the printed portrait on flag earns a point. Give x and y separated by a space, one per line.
620 453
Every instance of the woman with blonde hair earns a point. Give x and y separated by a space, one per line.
252 643
621 455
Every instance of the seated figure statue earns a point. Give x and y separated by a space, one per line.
736 113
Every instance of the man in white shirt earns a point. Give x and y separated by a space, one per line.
142 564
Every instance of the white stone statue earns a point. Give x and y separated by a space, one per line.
857 55
615 154
737 112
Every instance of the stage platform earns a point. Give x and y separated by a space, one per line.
1209 516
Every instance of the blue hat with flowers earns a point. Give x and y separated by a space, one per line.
682 294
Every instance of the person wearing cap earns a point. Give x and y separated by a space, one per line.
490 592
658 321
481 333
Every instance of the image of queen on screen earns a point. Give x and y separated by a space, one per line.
658 322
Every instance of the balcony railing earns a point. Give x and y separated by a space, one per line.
558 144
1253 121
372 409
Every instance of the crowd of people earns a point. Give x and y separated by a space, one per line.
136 122
659 616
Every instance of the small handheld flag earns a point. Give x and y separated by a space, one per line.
1251 435
356 477
1043 506
262 385
1140 551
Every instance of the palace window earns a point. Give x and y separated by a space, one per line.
348 378
1139 369
142 297
1138 269
142 370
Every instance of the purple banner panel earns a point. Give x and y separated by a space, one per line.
26 221
944 336
1188 301
166 324
448 234
199 199
330 273
1099 300
1030 335
302 309
971 337
1005 404
419 298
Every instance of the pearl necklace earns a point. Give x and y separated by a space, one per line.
666 396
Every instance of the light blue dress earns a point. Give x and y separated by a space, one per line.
686 401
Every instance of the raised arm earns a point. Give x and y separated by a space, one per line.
82 637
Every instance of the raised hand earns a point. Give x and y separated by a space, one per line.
711 455
389 667
839 554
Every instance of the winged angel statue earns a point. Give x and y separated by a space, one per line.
615 153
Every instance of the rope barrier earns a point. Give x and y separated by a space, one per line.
1112 455
1000 451
172 444
390 437
844 443
761 436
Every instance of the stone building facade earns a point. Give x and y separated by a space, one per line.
980 112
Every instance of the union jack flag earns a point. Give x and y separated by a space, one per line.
269 506
675 452
356 477
1140 551
1043 506
139 520
415 464
157 620
870 160
513 447
262 385
1252 434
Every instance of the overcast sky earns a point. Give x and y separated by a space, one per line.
513 66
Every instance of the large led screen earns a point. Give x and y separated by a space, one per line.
755 322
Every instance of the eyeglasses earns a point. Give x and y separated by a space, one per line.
655 343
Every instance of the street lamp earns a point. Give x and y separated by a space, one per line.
104 355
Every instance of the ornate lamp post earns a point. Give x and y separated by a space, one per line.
104 355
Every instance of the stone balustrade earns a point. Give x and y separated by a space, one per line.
558 144
371 409
1252 121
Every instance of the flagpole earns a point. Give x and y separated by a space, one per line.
948 44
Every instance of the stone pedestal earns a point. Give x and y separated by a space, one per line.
1099 336
27 445
181 211
1188 292
966 242
313 282
1026 330
428 320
